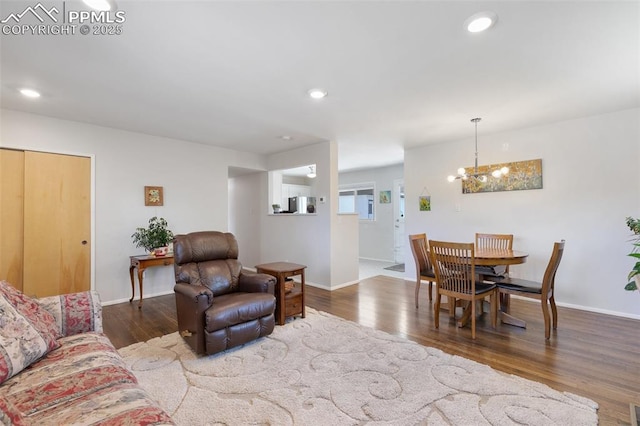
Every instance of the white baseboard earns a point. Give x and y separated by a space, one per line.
135 300
378 260
349 283
583 308
337 287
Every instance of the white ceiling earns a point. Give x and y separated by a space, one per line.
399 74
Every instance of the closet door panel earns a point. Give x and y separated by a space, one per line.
11 216
57 224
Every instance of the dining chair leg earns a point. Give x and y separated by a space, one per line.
554 312
473 319
430 292
452 306
436 312
494 308
418 291
547 319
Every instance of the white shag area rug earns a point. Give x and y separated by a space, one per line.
323 370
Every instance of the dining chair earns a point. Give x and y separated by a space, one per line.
543 291
454 266
494 242
424 269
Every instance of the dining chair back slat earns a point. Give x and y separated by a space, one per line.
494 242
454 266
424 269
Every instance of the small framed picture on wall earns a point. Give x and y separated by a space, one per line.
385 197
425 203
153 196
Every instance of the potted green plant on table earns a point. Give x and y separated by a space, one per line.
634 226
155 238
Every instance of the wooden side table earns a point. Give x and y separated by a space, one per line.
291 303
143 262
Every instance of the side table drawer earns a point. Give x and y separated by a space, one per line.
293 305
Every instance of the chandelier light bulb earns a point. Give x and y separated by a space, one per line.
475 174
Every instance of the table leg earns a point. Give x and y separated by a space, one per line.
133 288
281 299
505 316
140 272
511 320
466 314
302 288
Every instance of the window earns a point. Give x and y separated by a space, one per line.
357 199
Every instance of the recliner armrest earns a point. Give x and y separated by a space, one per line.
256 283
191 291
192 301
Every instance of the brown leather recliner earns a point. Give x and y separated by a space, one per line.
219 305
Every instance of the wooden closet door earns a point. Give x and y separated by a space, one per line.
57 224
11 216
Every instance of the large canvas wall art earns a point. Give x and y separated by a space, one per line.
522 175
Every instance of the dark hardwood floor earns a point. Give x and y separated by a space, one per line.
593 355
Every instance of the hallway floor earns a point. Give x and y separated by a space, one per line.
371 268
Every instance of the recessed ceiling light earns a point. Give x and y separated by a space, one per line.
30 93
312 172
480 21
286 137
102 5
317 93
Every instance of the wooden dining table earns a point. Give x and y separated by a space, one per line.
494 257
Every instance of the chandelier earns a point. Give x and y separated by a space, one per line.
482 177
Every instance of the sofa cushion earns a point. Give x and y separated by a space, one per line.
10 415
27 331
85 381
235 308
75 312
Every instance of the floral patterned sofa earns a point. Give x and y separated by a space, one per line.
56 366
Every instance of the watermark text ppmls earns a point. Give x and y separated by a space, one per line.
55 18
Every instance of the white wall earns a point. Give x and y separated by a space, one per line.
194 178
307 239
245 193
377 236
303 239
591 183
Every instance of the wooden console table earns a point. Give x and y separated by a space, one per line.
291 303
143 262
